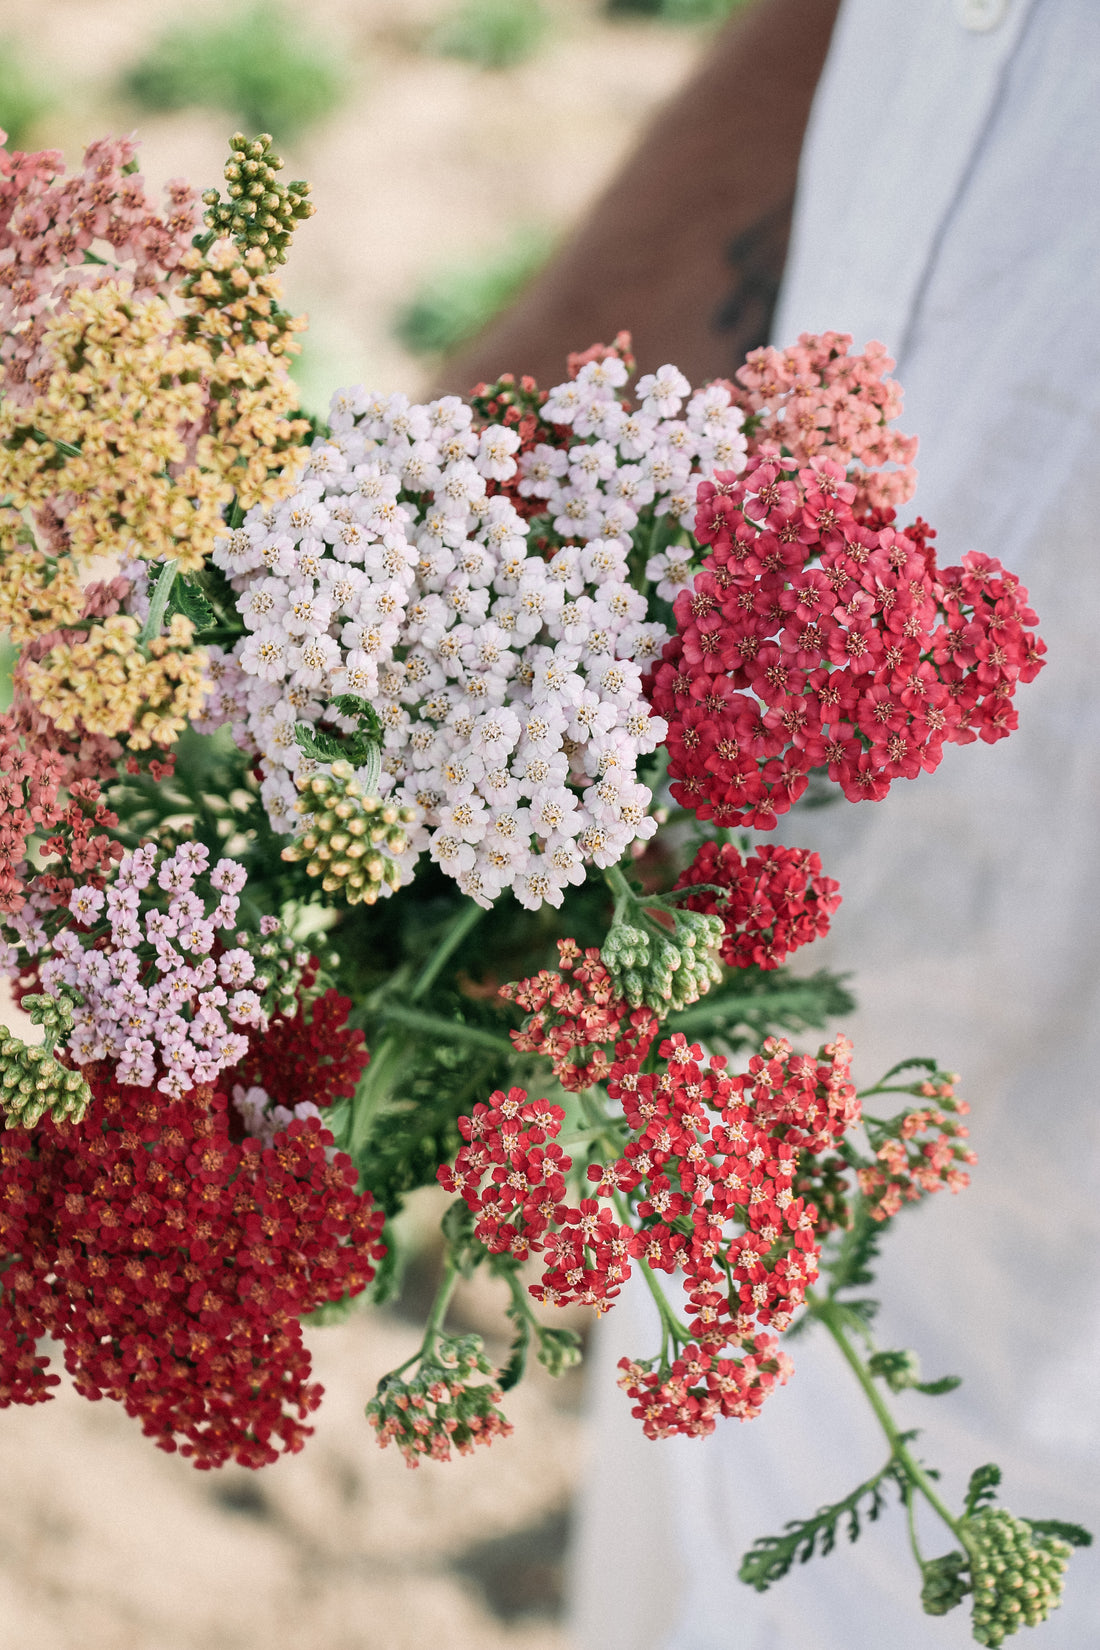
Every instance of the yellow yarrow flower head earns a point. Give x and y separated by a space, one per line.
106 683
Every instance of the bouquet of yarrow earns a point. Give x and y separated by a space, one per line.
447 732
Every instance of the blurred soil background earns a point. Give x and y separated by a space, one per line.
450 144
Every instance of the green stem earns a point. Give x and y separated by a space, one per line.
166 578
378 1079
469 916
623 892
438 1025
65 447
671 1327
827 1312
448 1282
911 1521
447 1285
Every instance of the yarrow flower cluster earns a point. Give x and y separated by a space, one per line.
441 1407
771 903
49 221
705 1149
508 681
522 1207
167 988
922 1152
812 638
575 1014
816 399
173 1266
29 805
307 1053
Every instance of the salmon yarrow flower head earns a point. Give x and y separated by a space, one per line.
820 399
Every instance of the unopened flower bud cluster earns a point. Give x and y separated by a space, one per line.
352 841
1017 1577
164 980
505 658
440 1406
32 1083
664 971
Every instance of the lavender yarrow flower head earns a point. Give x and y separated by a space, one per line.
167 982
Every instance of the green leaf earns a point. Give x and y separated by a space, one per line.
901 1371
898 1369
849 1265
1075 1534
981 1491
934 1389
771 1556
350 704
512 1372
185 597
466 1250
322 746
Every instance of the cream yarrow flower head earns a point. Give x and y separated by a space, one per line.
106 683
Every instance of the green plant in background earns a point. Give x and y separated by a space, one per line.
257 63
456 303
677 11
495 34
23 99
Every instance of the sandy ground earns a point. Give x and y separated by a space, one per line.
105 1542
110 1544
428 162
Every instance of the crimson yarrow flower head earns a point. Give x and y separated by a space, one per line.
815 637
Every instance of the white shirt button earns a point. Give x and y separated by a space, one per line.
981 15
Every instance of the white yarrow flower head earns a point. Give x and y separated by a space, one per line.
662 393
485 593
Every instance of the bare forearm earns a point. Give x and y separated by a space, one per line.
716 170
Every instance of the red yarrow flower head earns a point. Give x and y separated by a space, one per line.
174 1265
776 900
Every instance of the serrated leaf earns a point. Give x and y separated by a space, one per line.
350 704
512 1373
981 1490
186 598
315 742
1075 1534
465 1249
771 1557
934 1389
898 1369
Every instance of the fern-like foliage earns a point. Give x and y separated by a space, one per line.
1075 1534
439 1082
753 1004
771 1557
982 1489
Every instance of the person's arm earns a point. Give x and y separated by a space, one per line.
686 247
